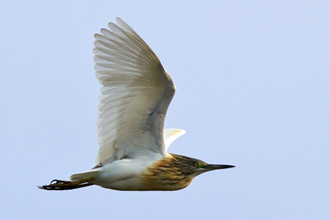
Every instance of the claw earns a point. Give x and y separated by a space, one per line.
52 182
56 181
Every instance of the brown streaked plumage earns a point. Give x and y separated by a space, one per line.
173 173
167 174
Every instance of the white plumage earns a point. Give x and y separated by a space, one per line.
136 92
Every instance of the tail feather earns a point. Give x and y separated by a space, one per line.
90 174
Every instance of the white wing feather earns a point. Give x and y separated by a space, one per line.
171 135
135 95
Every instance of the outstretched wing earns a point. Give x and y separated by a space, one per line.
136 92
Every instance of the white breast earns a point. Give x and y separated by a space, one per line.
123 174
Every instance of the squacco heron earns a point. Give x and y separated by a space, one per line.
135 95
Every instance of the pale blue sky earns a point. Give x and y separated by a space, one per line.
253 90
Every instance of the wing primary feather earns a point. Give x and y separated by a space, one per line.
135 95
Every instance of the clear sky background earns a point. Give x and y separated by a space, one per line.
253 90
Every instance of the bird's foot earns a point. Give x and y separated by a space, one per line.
65 185
57 185
55 181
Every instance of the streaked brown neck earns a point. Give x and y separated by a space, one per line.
170 173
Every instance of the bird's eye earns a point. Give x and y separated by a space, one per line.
198 164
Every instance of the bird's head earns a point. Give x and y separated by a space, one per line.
193 167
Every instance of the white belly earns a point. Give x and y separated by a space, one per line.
123 174
132 183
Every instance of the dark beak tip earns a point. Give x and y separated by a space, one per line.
228 166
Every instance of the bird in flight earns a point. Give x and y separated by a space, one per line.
135 95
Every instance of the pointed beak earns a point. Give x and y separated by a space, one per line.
217 166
